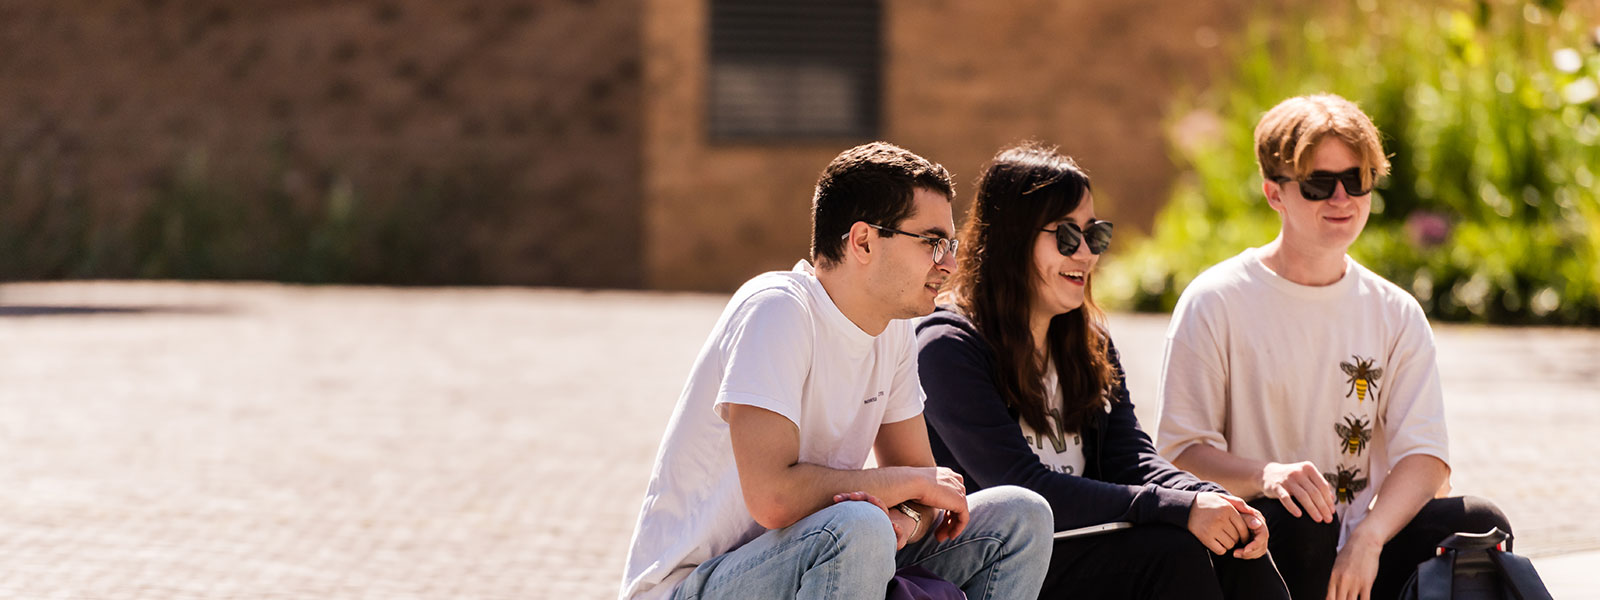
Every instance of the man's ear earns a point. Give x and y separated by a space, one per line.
858 245
1274 193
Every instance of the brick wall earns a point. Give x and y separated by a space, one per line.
478 140
545 142
963 79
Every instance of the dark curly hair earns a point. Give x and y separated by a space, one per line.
872 183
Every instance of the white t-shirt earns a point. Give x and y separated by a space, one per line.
782 345
1342 375
1059 450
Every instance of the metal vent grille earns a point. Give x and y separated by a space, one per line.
782 69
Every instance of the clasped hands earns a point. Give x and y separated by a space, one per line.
1222 521
943 490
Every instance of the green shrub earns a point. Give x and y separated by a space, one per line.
264 221
1490 112
47 224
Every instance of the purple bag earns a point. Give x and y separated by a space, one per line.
917 583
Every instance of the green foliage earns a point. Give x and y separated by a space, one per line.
279 223
1489 111
48 226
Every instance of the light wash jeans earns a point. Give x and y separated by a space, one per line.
847 551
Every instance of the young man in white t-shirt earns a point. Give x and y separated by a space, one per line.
759 490
1299 379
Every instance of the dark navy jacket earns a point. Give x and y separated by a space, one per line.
974 433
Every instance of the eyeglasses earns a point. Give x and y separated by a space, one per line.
942 247
1320 184
1068 236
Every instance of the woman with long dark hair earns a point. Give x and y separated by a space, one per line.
1024 388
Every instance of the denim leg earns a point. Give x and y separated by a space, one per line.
843 551
1004 551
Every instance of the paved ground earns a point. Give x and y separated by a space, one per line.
168 440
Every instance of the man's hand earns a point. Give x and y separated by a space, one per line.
941 492
1258 528
1354 569
1299 482
904 526
1216 523
1411 483
949 492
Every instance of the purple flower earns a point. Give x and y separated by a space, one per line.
1427 229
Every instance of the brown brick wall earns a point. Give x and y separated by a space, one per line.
963 79
547 142
717 214
496 140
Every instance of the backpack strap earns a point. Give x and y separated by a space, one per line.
1517 573
1435 576
1489 540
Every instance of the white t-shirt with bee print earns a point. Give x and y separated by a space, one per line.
1342 375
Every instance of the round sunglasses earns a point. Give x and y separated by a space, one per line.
1069 236
1320 184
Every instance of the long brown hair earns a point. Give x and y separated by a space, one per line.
1024 189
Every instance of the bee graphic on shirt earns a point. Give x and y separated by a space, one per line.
1346 484
1363 376
1354 433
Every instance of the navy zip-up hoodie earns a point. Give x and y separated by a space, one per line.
974 433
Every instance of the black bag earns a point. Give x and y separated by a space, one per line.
1475 566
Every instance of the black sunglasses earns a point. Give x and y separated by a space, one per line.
1068 236
1320 184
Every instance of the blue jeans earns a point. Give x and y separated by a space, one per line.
847 551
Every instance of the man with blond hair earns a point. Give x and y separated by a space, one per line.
1299 379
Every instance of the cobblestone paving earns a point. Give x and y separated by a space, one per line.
169 440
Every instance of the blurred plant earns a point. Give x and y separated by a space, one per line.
1489 110
314 227
1427 229
269 221
47 230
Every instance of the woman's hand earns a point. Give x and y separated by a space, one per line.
1257 547
1217 523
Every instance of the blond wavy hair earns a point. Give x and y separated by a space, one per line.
1288 132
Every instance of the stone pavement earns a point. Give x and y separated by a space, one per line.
171 440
